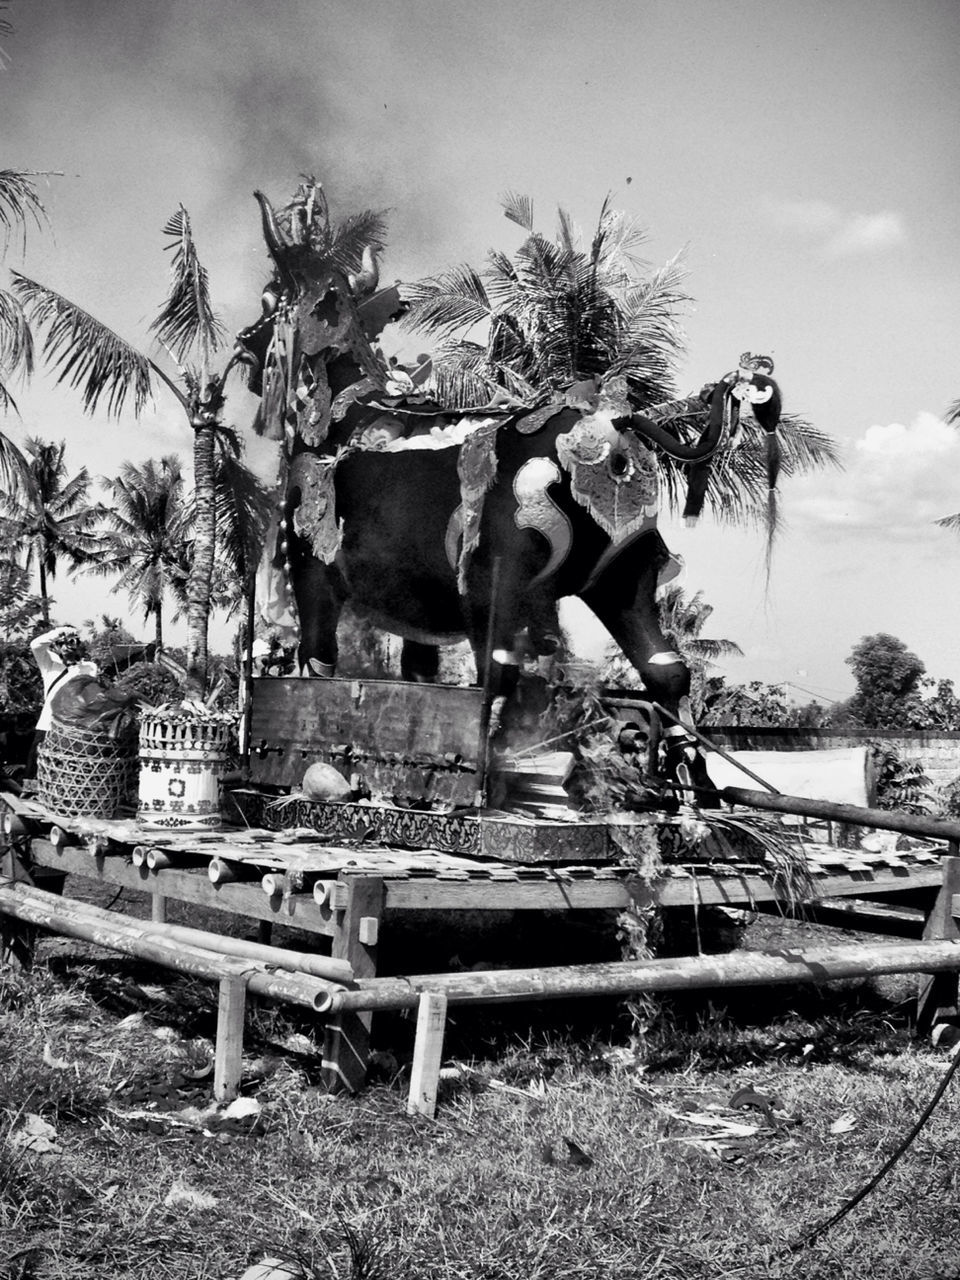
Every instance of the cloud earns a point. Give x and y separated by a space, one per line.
836 234
898 481
866 233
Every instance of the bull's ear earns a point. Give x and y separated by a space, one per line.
377 312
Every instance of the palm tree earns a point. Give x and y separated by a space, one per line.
148 522
558 313
105 368
682 619
244 506
52 518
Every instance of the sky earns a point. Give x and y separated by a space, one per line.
803 154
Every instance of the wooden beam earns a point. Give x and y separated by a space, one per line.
228 1061
190 885
883 819
427 1053
736 969
937 998
147 941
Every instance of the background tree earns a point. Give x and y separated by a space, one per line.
21 618
108 370
559 312
149 523
52 518
888 677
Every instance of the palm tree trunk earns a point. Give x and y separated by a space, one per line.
201 571
158 628
44 601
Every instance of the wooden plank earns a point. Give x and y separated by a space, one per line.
346 1046
228 1060
383 718
937 998
427 1054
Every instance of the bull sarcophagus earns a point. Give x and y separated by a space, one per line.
409 756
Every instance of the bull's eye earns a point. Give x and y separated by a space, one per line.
619 463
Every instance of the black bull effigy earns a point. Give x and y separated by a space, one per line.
441 524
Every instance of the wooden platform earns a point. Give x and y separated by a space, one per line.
345 891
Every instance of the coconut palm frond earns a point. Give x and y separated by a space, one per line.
186 322
20 205
949 522
518 209
450 303
568 233
84 352
953 413
805 447
16 337
462 377
367 229
15 474
779 847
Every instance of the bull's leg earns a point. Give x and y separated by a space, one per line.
319 594
624 599
419 662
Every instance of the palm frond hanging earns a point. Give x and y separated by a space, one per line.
186 322
20 205
84 352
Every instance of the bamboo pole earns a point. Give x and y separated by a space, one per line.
149 941
739 969
884 819
316 966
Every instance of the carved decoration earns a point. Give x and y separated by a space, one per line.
612 475
315 518
537 510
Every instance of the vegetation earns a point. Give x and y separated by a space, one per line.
109 371
148 523
564 1153
51 518
560 312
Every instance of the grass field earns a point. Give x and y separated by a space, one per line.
561 1148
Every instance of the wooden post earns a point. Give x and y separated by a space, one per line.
937 998
229 1052
17 938
427 1054
346 1043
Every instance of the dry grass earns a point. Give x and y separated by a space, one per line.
552 1156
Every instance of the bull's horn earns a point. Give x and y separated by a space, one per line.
276 241
368 277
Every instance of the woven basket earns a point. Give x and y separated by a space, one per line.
181 764
86 773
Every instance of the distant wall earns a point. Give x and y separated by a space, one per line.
937 750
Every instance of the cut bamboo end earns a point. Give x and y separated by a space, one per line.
156 860
139 855
272 884
220 871
58 837
323 892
